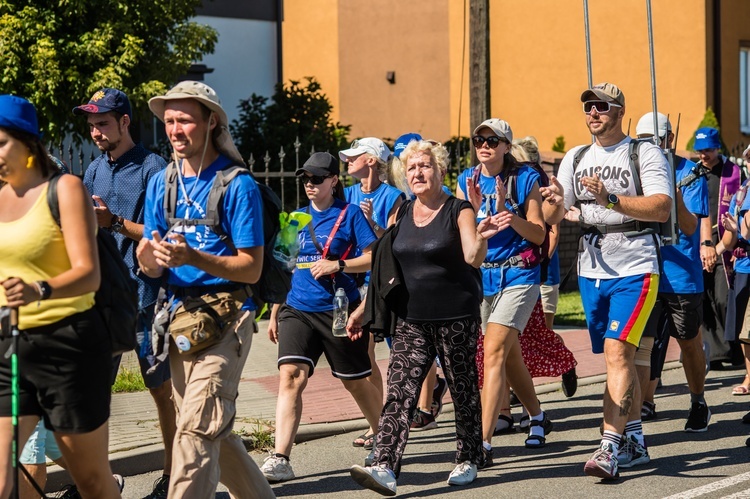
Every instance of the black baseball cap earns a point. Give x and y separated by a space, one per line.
322 164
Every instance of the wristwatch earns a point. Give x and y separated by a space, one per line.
45 290
612 200
342 265
376 227
707 242
117 223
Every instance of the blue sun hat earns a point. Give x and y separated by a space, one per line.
403 141
16 113
706 138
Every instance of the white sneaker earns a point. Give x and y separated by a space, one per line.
377 478
120 481
277 469
463 474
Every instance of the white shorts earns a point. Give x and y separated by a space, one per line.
511 307
550 297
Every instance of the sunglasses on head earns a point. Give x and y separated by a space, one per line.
313 179
600 106
492 141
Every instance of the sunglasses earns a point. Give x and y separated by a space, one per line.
313 179
600 106
492 141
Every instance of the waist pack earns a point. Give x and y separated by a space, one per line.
116 300
199 322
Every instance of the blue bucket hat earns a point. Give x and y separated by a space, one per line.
707 138
403 141
104 101
16 113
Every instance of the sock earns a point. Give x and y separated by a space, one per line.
277 454
635 429
613 439
487 446
537 430
697 398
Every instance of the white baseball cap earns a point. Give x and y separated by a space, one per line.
371 145
645 125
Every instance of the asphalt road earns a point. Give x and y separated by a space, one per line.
711 464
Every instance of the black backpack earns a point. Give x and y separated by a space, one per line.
511 196
116 300
275 281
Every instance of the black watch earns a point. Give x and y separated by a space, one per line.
612 200
707 242
45 288
342 265
117 223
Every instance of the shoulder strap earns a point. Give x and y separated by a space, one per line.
580 153
216 196
54 205
170 193
635 165
696 173
511 192
324 250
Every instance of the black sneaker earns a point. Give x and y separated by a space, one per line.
698 418
441 386
423 421
485 461
161 486
648 411
69 491
570 383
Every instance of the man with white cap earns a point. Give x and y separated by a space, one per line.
678 311
618 264
200 266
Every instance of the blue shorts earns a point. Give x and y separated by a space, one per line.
145 352
40 445
618 308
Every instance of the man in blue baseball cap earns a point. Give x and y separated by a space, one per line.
724 179
117 182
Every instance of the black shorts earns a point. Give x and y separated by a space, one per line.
674 315
304 336
64 373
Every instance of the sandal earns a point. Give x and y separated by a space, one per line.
362 440
369 442
502 418
740 390
538 441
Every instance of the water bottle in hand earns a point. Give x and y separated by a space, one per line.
340 313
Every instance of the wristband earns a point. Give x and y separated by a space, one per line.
342 265
44 290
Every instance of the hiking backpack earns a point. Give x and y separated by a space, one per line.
116 300
275 281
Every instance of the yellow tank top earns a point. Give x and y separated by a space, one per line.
33 249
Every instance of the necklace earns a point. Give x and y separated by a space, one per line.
426 220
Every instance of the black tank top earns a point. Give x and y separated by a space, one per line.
440 285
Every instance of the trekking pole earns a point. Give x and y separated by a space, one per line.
14 394
653 70
587 32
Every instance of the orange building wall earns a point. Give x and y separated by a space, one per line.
735 27
538 60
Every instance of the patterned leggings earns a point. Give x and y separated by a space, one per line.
412 353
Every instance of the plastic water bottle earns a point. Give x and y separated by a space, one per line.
287 247
340 313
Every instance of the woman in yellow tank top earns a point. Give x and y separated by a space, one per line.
50 275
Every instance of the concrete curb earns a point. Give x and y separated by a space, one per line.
151 457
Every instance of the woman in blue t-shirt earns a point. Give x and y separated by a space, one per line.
302 326
511 282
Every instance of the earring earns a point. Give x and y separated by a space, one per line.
30 162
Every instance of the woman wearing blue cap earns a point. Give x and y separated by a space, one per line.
50 275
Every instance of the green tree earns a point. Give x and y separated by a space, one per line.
559 145
709 120
58 53
297 111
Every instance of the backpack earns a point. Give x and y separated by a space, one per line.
275 281
116 300
541 252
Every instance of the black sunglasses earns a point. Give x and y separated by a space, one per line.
313 179
492 141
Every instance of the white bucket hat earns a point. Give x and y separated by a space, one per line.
206 95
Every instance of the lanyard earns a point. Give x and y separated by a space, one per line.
324 250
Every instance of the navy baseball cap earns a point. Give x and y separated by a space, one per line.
104 101
16 113
706 138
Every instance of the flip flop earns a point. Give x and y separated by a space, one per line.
740 390
362 440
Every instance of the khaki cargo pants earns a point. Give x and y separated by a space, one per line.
204 389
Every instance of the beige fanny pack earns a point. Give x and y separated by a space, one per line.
199 322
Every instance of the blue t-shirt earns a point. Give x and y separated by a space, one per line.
741 265
122 186
683 272
242 220
553 270
508 242
383 199
354 234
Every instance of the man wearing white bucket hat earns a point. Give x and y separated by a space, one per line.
200 266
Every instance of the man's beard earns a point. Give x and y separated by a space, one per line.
606 126
108 146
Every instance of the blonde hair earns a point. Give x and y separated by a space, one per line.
437 153
526 150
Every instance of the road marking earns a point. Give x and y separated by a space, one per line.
712 487
745 494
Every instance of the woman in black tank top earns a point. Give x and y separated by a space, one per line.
438 248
